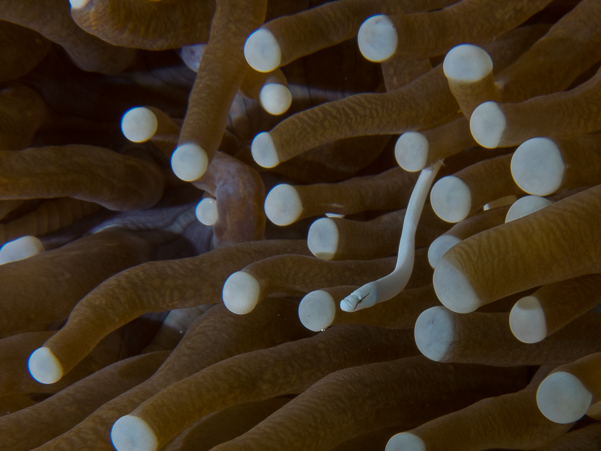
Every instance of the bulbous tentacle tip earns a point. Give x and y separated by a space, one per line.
377 38
527 320
323 238
189 162
451 199
537 166
263 151
439 246
317 310
241 293
78 4
487 124
283 205
434 333
275 98
453 288
20 249
562 398
262 51
411 151
139 124
405 441
130 433
44 366
206 211
467 63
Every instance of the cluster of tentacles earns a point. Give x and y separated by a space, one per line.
300 225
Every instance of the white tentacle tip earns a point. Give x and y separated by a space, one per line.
467 63
563 398
406 441
189 162
241 293
377 38
20 249
487 124
44 366
130 433
139 124
275 98
206 211
262 51
77 4
264 151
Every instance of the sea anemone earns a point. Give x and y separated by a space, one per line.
169 280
